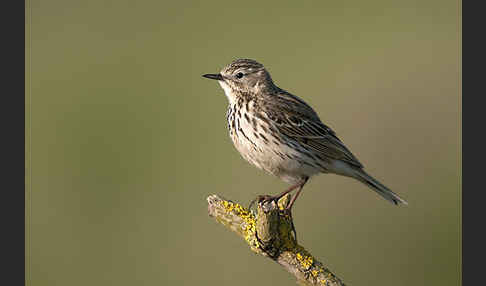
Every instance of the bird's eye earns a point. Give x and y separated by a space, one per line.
239 75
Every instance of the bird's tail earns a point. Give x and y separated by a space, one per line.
378 187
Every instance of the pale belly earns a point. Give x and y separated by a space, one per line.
265 149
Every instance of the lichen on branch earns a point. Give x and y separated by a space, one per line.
270 232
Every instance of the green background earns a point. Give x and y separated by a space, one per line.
126 139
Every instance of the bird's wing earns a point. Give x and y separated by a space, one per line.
295 119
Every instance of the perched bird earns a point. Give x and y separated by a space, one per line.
278 132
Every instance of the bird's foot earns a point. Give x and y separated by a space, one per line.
266 198
263 199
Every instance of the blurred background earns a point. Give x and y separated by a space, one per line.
127 139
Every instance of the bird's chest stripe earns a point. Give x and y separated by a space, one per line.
237 127
230 117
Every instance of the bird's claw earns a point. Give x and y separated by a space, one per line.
263 199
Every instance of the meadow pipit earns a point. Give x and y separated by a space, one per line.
281 134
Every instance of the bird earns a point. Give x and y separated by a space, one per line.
281 134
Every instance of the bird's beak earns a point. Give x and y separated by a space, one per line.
216 76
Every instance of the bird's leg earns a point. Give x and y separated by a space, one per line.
277 197
294 198
267 198
300 185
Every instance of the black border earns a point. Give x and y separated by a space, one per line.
12 210
473 143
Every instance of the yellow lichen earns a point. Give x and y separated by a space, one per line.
304 258
250 222
283 202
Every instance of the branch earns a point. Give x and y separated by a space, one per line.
269 232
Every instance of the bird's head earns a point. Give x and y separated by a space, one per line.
243 77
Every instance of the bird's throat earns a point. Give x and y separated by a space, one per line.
228 91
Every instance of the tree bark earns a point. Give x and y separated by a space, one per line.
270 232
